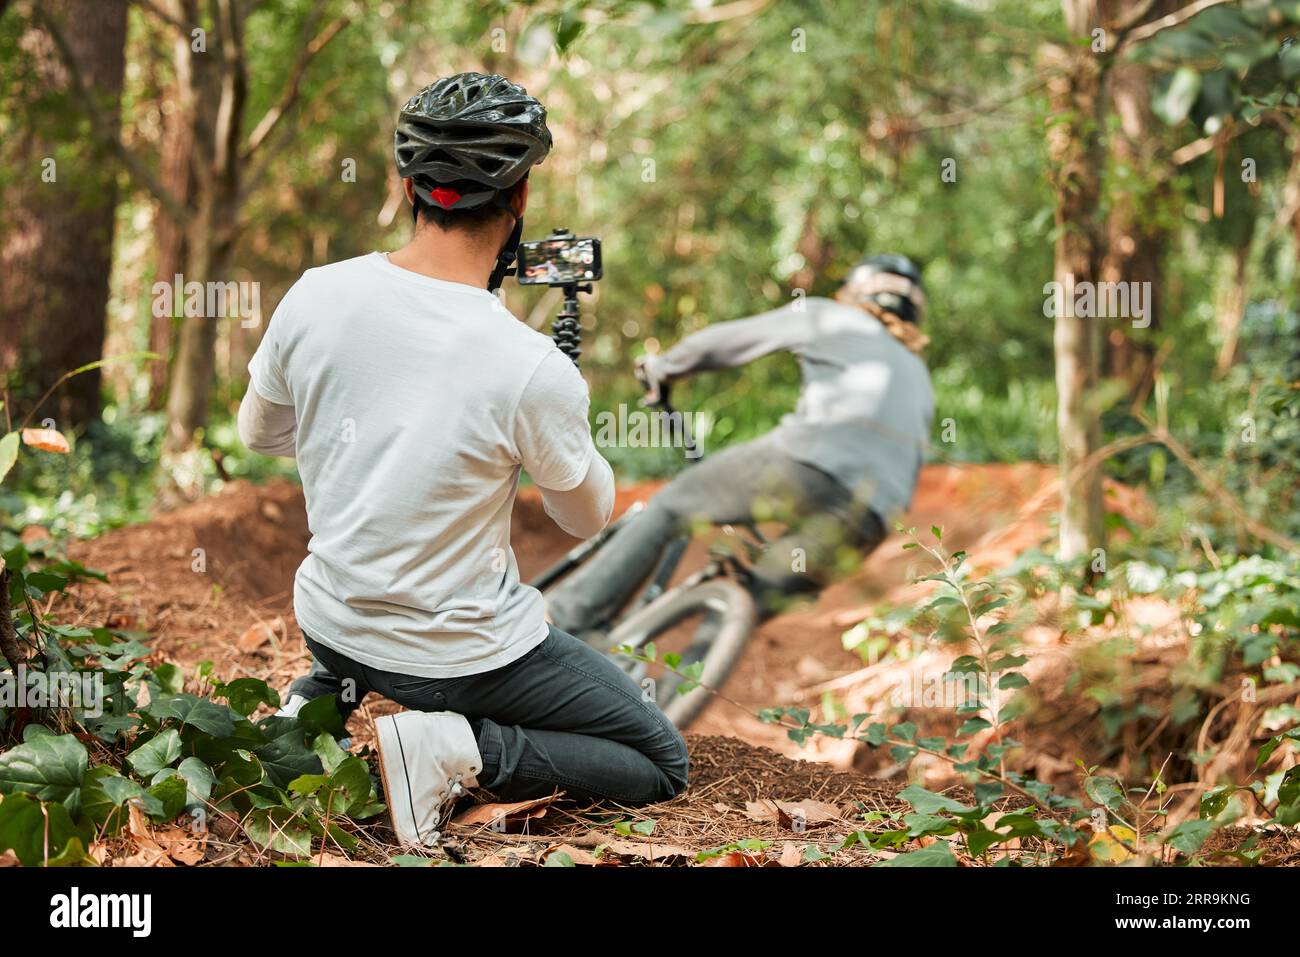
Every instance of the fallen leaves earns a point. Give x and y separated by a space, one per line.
506 818
260 634
648 850
740 859
158 847
576 855
327 859
47 440
795 816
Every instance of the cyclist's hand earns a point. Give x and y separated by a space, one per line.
647 375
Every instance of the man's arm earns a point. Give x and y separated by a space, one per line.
553 440
265 427
726 345
267 422
583 510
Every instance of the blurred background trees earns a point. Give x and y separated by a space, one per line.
731 155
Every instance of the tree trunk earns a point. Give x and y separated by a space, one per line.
1133 241
1231 310
56 254
210 240
176 173
1075 163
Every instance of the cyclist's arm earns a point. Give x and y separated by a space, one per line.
726 345
265 427
554 446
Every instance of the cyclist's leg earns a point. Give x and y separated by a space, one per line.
837 536
721 489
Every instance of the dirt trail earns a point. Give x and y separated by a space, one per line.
213 581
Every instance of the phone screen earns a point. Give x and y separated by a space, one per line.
553 262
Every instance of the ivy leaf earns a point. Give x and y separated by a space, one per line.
45 582
285 755
198 777
47 766
170 678
245 694
986 792
194 711
981 839
8 454
937 854
352 779
920 825
1105 791
322 714
971 726
279 829
155 754
1190 835
905 730
1215 800
307 784
104 792
927 802
329 752
24 827
173 792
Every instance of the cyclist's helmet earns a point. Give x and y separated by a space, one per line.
890 281
470 130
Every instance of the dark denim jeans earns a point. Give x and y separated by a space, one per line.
562 716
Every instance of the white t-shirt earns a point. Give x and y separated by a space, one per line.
417 403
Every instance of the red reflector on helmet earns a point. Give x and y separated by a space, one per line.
444 197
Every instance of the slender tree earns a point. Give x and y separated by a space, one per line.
1076 158
56 251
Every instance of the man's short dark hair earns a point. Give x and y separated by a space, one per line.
469 220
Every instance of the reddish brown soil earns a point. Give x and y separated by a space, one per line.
213 581
201 580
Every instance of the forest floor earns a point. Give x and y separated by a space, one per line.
237 612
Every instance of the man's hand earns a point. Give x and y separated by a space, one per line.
647 375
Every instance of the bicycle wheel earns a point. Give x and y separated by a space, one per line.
709 622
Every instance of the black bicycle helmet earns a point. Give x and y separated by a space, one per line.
892 282
472 130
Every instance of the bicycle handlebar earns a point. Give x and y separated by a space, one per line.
666 409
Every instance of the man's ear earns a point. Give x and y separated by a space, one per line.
519 201
408 186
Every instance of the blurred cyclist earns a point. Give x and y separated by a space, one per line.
836 469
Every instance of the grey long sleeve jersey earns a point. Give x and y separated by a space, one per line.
866 407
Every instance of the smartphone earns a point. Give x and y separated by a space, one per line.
558 261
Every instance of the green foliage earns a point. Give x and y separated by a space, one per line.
168 751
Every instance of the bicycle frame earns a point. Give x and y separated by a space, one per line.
672 555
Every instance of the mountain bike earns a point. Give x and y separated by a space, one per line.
704 620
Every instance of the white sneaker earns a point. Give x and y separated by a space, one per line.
291 707
427 759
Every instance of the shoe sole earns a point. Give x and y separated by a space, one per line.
388 737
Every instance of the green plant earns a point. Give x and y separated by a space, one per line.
79 761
